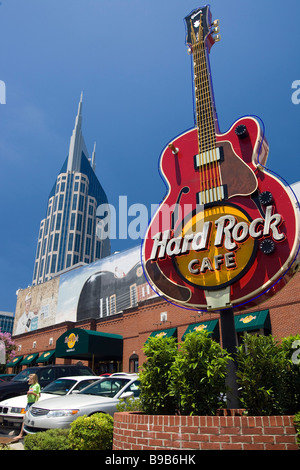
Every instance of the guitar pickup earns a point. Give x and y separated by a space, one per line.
208 157
214 194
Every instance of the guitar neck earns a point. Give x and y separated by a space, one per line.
204 103
207 161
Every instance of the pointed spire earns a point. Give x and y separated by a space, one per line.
80 104
77 144
78 119
94 158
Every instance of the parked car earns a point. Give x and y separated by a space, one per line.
12 410
100 397
46 374
122 374
6 377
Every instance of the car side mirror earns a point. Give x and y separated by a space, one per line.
127 395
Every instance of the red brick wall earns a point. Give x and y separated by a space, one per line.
133 431
136 324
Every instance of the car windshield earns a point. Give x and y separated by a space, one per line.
106 387
59 386
23 376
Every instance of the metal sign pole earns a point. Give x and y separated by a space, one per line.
229 342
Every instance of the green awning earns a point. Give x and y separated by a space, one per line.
252 321
45 356
87 344
212 326
29 359
168 333
15 361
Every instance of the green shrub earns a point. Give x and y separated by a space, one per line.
155 376
198 375
262 375
191 379
52 439
129 404
188 381
297 426
92 432
290 347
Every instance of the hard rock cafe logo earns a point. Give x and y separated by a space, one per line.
216 245
247 319
71 340
200 328
160 335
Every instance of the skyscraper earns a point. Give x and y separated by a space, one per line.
69 233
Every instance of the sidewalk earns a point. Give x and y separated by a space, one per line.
8 440
19 445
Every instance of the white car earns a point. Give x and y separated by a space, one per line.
100 397
12 410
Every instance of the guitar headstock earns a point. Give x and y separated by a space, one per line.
200 28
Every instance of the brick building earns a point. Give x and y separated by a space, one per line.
124 317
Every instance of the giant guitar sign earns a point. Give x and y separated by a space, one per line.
226 234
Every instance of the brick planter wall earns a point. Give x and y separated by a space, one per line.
134 431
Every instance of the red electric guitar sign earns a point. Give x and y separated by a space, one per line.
226 233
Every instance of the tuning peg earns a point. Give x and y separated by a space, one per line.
217 38
216 23
189 51
215 29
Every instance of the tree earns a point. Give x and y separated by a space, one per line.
10 348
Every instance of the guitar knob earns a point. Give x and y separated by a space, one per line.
267 246
265 197
174 149
241 131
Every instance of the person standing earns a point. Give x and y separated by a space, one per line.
33 395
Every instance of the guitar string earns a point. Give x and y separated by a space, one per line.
193 38
209 131
200 122
201 110
205 119
205 123
214 174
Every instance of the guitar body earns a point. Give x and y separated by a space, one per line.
254 275
226 234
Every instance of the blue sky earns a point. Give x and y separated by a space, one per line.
129 58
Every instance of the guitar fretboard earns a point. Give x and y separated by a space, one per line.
203 97
208 159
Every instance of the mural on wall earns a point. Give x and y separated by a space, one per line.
36 307
103 288
107 293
